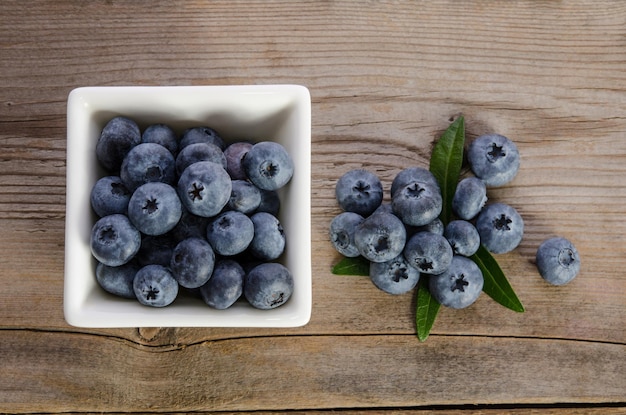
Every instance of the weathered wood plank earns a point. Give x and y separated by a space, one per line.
74 372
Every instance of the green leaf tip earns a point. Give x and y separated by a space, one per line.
426 310
352 266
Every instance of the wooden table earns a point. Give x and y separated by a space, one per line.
385 79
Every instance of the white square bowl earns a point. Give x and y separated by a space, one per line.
280 113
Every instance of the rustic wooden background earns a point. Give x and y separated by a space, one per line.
385 79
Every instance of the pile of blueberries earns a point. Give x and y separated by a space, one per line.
189 212
405 239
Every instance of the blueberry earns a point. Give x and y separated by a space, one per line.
225 285
380 237
156 249
342 229
359 191
459 286
268 242
204 188
558 261
192 262
109 196
201 135
268 165
270 202
146 163
114 240
245 197
268 285
494 159
410 175
436 226
161 134
463 237
194 153
117 280
469 198
395 276
154 208
428 252
190 226
417 203
235 153
230 233
500 227
118 136
155 286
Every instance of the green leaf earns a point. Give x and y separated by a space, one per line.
352 266
445 163
426 311
496 285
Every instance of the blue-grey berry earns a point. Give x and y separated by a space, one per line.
109 195
268 165
230 233
270 202
118 136
359 191
235 153
117 280
204 188
494 159
200 134
558 261
245 197
380 237
463 237
428 252
192 262
114 240
417 203
500 227
161 134
342 229
196 152
395 276
469 198
155 286
459 286
410 175
225 285
436 226
268 285
148 162
269 239
154 208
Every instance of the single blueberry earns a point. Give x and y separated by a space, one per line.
494 159
469 198
342 229
417 203
459 286
235 153
109 196
155 286
118 136
196 152
161 134
225 285
268 165
436 226
117 280
268 285
156 249
395 276
146 163
411 175
114 240
359 191
154 208
269 241
463 237
500 227
201 135
192 262
270 202
245 197
428 252
558 261
204 188
230 233
380 237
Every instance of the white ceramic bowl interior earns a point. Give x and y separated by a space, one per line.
280 113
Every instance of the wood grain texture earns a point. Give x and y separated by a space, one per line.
385 79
